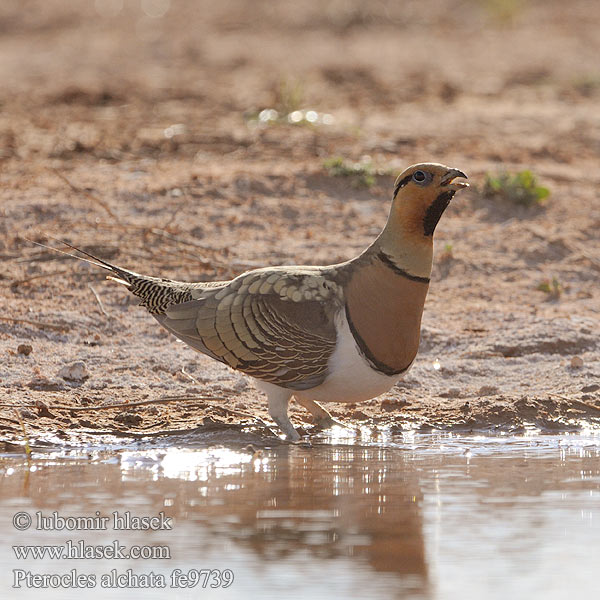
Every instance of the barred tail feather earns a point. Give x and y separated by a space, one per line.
125 276
156 293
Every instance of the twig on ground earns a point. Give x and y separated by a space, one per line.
87 194
163 400
175 238
174 214
98 300
190 376
238 413
18 282
53 326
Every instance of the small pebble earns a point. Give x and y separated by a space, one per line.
359 414
594 387
75 371
40 382
451 393
42 409
25 349
129 418
389 405
488 390
577 362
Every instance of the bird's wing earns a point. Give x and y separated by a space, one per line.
274 324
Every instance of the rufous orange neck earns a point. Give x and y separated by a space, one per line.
403 239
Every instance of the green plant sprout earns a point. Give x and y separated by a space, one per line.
519 188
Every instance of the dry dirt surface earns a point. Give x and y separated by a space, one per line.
133 129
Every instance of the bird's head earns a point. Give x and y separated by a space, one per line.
421 195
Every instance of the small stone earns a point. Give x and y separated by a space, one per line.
387 405
129 418
359 414
40 382
594 387
75 371
390 405
42 409
451 393
488 390
577 362
25 349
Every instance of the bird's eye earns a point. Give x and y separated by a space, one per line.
419 176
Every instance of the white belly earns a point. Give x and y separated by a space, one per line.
351 378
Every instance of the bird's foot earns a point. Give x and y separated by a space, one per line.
291 435
328 422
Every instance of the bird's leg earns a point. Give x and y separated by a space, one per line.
278 405
323 420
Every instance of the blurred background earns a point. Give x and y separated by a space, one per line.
195 140
494 80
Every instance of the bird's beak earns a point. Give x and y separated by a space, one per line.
448 180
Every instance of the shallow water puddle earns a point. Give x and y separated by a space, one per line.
406 516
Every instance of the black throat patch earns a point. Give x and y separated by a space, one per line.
436 210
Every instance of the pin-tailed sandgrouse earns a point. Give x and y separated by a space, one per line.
344 332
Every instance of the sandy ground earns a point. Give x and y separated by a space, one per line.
130 130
